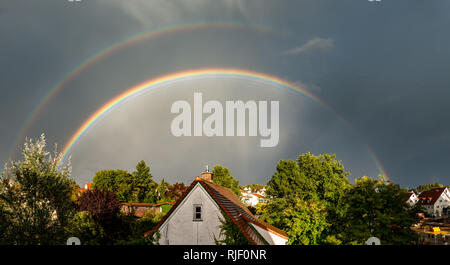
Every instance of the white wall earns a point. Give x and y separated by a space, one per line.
180 229
270 237
443 201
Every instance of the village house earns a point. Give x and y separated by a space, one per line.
412 198
139 209
435 201
195 217
87 186
251 197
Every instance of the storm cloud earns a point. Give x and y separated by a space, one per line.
381 69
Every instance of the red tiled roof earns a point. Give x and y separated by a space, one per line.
145 204
233 208
258 195
430 197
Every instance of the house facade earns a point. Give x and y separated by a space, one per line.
435 201
412 198
252 197
195 217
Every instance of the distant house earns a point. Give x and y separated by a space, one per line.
87 186
139 209
195 217
412 198
435 201
251 197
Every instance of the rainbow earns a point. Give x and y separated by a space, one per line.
181 76
190 75
105 52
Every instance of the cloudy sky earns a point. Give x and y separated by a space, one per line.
381 70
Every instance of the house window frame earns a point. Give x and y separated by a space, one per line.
194 211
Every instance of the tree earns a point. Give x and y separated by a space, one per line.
35 196
144 187
175 191
289 182
83 226
311 179
161 191
427 187
104 207
114 180
377 208
222 177
303 221
135 187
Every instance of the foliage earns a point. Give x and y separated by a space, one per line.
150 220
35 196
376 208
143 184
161 191
165 208
310 179
138 227
136 187
175 191
114 180
253 187
85 228
303 221
104 207
222 177
427 187
231 233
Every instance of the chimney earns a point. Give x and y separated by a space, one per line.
207 175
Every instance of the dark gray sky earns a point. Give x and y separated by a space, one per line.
381 66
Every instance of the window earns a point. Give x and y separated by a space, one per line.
197 212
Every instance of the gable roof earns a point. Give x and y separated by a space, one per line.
233 207
430 197
408 195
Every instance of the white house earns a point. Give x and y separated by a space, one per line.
412 198
435 201
253 197
195 217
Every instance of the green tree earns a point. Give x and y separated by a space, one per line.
144 187
319 179
114 180
427 187
303 221
135 187
35 196
161 191
377 208
83 226
222 177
